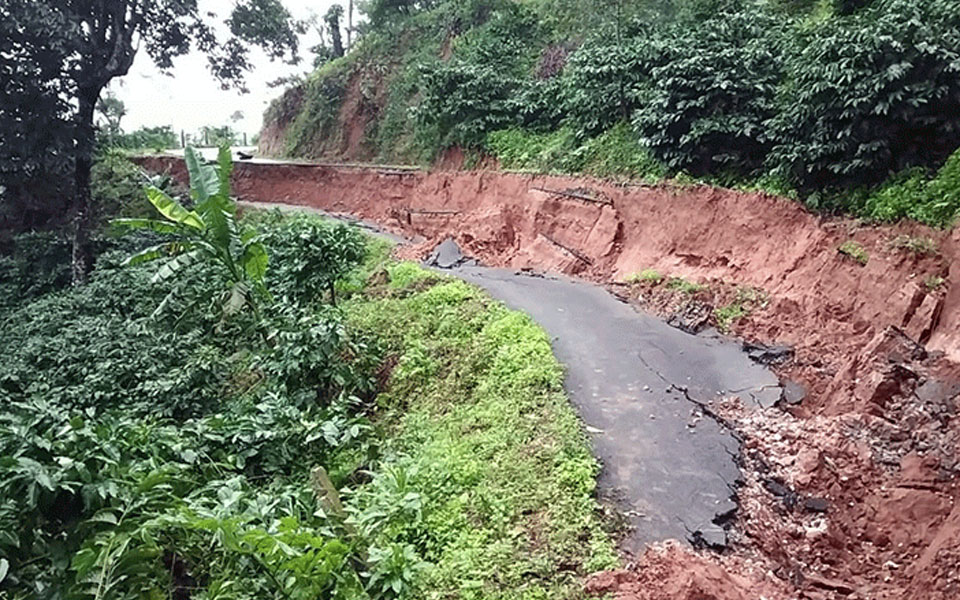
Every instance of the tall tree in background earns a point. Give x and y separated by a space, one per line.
36 124
332 18
111 110
350 25
79 46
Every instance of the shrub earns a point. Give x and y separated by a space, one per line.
934 201
209 234
461 103
871 94
117 186
601 80
310 256
322 94
143 454
710 94
35 264
854 251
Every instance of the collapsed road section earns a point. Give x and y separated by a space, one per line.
644 391
850 484
670 468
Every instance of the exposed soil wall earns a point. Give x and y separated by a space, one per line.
604 231
850 494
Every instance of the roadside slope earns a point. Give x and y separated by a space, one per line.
605 232
873 329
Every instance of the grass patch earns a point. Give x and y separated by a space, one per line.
616 153
646 275
919 245
476 415
746 300
934 282
934 200
685 286
854 251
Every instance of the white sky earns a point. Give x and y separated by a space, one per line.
190 98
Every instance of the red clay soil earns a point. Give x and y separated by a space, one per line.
850 494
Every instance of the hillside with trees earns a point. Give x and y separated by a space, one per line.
850 106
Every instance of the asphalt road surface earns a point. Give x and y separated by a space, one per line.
643 390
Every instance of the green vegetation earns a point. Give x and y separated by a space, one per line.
687 287
933 200
851 106
854 251
648 275
921 246
934 282
146 138
209 233
478 413
614 153
746 300
674 283
728 314
411 441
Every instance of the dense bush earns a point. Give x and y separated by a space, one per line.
462 102
827 98
322 95
33 264
601 80
710 93
147 454
150 457
934 201
474 93
871 94
310 256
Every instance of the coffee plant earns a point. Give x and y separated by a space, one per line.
709 94
871 94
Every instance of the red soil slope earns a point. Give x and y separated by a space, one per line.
877 345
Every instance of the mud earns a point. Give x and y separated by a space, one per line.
850 493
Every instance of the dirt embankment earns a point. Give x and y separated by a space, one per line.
848 494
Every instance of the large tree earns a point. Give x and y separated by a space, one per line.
76 47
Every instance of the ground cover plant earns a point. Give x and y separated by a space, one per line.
851 107
412 441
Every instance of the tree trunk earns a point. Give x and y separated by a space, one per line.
335 35
82 258
350 25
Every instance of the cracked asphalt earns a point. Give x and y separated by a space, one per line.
641 386
643 389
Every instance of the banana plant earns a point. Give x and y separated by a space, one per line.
207 234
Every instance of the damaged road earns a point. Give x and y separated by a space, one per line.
668 466
644 390
850 487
